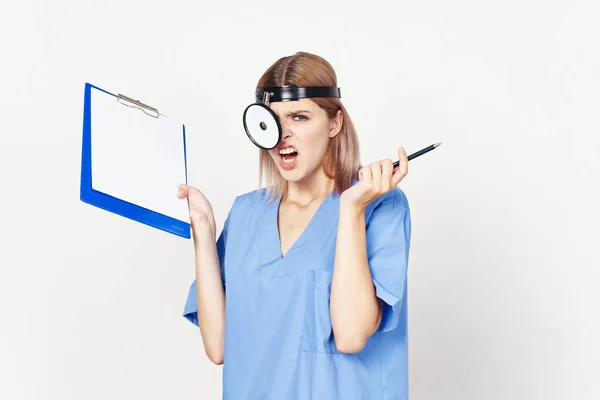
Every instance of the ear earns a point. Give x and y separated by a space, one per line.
335 125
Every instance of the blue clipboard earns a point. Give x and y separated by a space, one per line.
113 204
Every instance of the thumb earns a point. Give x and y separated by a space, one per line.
182 191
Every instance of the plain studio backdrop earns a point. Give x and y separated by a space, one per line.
503 276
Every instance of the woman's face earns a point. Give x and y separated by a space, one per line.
305 132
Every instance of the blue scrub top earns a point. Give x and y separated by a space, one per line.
279 342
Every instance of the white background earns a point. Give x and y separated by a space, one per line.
504 278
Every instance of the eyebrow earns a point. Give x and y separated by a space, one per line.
298 112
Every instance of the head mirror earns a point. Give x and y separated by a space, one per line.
260 122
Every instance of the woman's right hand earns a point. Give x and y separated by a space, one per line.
199 206
210 294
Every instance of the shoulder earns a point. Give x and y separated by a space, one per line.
395 200
249 202
250 198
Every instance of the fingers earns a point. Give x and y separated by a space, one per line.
376 174
402 170
387 169
366 176
381 173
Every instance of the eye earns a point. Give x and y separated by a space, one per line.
300 116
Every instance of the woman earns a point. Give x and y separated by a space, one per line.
303 295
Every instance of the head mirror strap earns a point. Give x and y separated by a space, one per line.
293 93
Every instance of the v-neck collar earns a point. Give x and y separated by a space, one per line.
270 242
305 232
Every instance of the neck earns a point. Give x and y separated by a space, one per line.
316 187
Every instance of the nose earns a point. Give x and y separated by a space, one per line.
286 132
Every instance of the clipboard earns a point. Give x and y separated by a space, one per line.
133 159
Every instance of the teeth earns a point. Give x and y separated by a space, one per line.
288 150
288 161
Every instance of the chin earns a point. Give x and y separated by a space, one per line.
291 175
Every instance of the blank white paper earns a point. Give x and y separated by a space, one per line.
136 157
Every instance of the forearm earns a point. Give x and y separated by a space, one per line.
210 293
354 307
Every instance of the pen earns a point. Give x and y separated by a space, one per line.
419 153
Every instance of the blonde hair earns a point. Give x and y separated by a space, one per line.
342 159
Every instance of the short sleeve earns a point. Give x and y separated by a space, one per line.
190 311
388 244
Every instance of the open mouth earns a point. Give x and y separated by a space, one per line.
288 155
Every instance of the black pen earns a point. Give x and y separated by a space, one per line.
419 153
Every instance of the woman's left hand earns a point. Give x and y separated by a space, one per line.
375 180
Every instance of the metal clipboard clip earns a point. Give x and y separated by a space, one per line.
128 101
